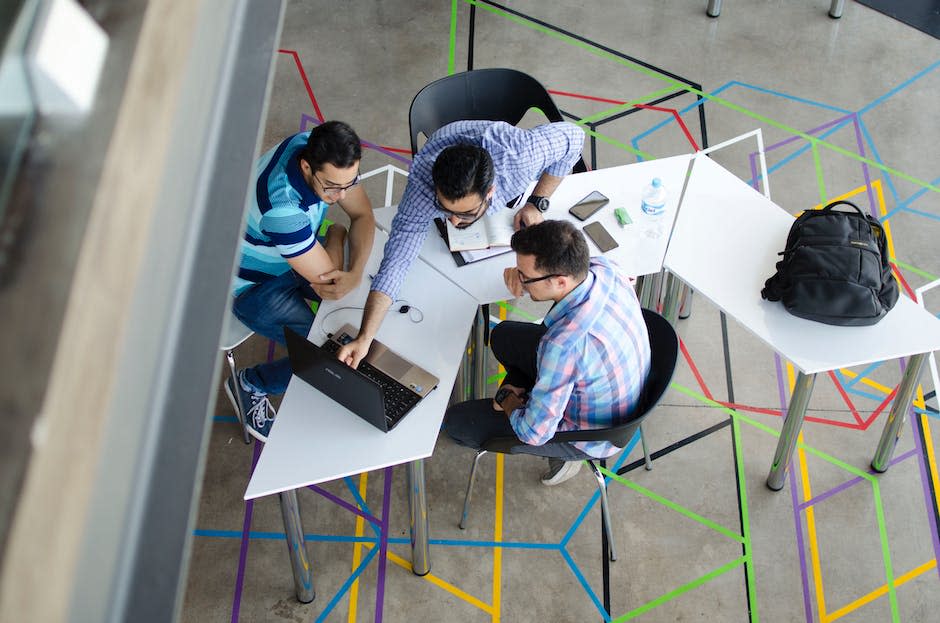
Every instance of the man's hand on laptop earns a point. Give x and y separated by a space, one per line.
354 352
336 284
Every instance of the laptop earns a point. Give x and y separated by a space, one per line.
384 388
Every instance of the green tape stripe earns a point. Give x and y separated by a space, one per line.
885 551
452 44
679 591
712 98
745 521
610 141
673 506
496 378
626 106
515 310
913 269
820 181
763 427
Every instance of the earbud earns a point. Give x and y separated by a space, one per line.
404 309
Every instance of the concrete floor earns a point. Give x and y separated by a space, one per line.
700 536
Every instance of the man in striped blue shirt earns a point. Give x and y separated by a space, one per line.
283 264
583 368
465 170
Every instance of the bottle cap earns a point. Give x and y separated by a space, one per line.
656 182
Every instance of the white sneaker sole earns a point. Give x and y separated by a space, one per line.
567 472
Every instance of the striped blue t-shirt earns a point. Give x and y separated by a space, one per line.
283 218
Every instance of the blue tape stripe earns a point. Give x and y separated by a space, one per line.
501 544
878 100
349 582
279 536
585 585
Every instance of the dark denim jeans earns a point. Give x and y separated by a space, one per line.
267 308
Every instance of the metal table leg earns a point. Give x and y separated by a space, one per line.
671 298
418 507
791 430
714 8
296 549
902 403
835 9
479 353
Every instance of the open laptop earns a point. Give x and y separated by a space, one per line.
381 391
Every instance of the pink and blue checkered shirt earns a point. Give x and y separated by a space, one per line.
592 362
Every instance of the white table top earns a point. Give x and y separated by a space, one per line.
725 245
637 254
314 439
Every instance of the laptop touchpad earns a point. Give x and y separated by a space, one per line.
391 364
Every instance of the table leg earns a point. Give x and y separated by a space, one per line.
713 9
791 430
902 403
478 349
835 8
296 549
418 507
671 298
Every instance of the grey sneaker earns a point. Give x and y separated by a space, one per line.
259 412
559 471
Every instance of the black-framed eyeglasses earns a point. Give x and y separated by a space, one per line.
466 218
335 190
527 280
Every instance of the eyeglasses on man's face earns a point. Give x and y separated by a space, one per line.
466 218
336 190
528 280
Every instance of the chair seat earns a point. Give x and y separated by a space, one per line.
235 333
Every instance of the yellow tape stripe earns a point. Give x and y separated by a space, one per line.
450 588
357 553
498 536
931 457
880 591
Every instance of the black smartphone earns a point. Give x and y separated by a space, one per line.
588 206
600 236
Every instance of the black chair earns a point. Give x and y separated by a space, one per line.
492 94
664 346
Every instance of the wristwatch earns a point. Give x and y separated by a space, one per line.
540 203
501 395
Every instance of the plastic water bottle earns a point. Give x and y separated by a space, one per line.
653 204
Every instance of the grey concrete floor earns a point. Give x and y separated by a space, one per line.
700 537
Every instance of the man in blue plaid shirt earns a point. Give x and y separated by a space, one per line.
583 368
465 170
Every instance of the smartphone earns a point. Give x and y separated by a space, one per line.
600 236
588 206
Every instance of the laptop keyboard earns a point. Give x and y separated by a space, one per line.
398 399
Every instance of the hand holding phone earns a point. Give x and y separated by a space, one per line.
585 208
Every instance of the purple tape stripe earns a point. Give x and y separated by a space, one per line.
924 479
352 509
383 546
851 483
243 551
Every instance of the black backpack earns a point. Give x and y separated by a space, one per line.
835 268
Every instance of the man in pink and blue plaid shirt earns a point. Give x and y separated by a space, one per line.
583 368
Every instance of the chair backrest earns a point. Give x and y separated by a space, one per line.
664 350
493 94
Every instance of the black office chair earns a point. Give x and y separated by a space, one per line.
664 346
492 94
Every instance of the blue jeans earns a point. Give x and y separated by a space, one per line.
267 308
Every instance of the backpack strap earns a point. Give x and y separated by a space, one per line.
829 207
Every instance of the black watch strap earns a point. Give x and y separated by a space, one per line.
540 203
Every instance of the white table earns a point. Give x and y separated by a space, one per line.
725 244
314 439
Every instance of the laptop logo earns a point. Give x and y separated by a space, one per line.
333 374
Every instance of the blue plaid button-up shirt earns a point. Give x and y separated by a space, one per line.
519 156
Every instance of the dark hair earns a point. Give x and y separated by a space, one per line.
332 142
462 170
559 248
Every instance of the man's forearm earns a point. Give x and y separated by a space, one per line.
361 234
546 185
373 314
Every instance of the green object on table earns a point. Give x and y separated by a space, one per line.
622 217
